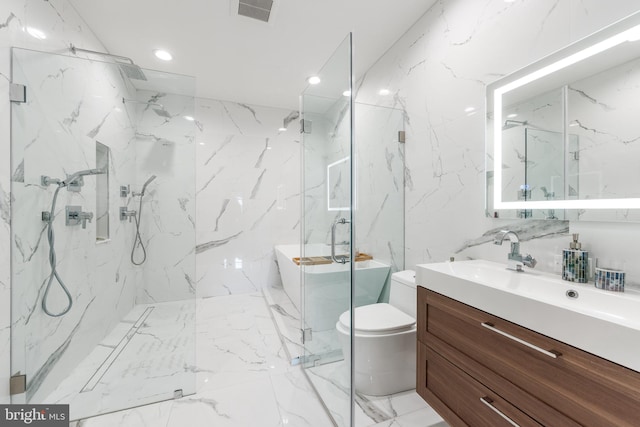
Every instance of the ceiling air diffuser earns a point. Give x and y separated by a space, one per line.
256 9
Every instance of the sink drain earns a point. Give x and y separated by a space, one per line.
572 294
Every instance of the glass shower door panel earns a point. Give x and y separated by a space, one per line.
106 347
326 275
380 179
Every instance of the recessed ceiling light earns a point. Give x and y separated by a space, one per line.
163 54
313 80
282 129
512 116
470 109
346 93
191 119
35 33
384 92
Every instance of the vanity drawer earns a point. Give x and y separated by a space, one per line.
588 389
474 404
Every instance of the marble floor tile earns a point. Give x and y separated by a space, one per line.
154 415
249 404
148 355
425 417
287 319
245 378
244 375
332 382
297 401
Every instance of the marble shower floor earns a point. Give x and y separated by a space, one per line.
131 365
245 377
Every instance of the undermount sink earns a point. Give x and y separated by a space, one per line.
604 323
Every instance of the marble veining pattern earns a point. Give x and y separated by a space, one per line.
63 26
240 358
63 104
159 344
245 209
431 81
431 97
164 143
331 380
82 119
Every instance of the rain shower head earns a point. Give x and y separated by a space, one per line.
508 124
131 70
126 65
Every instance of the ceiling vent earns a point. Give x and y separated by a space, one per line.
256 9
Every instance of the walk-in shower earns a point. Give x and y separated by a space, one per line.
89 328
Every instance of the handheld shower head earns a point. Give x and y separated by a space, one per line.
144 187
78 174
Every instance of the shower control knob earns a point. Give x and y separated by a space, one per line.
84 217
125 213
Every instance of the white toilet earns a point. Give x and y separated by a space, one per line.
385 340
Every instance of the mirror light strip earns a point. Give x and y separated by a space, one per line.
631 34
572 204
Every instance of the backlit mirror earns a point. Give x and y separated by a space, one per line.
566 131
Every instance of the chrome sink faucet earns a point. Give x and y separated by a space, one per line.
516 260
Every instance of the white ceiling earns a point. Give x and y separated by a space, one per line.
239 59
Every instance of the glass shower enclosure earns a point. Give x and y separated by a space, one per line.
352 230
103 262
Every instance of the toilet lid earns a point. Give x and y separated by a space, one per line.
378 318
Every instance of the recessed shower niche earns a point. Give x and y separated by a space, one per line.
102 193
117 335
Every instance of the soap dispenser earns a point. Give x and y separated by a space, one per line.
575 262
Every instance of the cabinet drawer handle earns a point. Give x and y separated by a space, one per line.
523 342
488 402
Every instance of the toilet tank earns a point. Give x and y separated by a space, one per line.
403 294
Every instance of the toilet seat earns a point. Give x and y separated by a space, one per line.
378 319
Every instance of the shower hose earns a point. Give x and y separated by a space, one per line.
52 262
138 239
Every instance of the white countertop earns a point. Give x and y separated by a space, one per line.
604 323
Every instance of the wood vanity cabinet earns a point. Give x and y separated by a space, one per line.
478 370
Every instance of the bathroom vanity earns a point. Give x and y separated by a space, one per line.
498 347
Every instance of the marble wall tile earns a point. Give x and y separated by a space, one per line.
62 26
73 103
247 192
165 148
436 74
380 159
602 110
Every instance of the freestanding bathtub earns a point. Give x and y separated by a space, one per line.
326 285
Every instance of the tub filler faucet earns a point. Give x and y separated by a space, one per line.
516 260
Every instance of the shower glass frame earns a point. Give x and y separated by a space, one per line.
353 169
327 120
72 103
